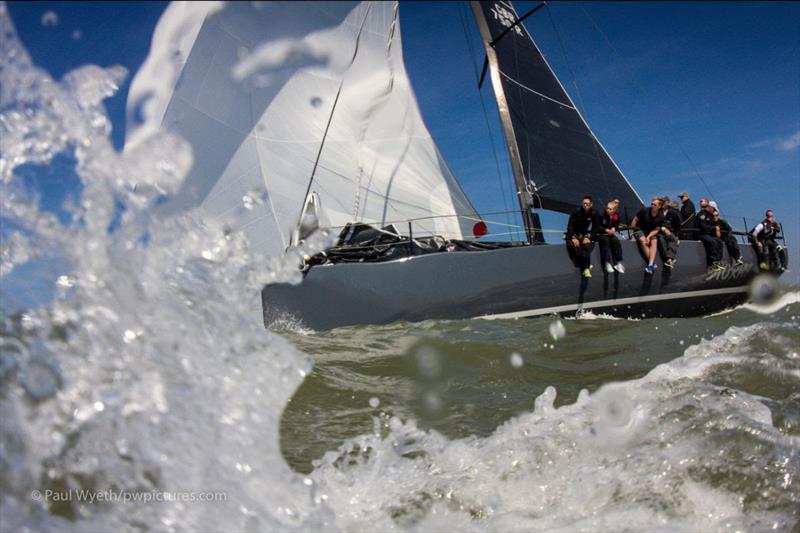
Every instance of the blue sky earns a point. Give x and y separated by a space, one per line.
676 92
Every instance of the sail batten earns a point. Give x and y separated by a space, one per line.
560 157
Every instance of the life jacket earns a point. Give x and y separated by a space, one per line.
767 230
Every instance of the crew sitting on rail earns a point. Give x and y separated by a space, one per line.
610 247
771 256
728 238
710 234
668 241
688 224
582 229
646 226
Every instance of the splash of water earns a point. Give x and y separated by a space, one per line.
150 354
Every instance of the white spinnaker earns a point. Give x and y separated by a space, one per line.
254 97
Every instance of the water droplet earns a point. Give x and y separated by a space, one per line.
557 330
49 18
763 291
374 402
516 360
41 379
613 413
433 403
428 362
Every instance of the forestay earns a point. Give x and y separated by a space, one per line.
269 93
559 155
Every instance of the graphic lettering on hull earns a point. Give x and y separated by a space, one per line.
732 272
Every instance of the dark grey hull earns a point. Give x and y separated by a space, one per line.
505 283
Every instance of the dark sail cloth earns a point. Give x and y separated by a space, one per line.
581 224
708 236
668 244
729 240
688 224
609 243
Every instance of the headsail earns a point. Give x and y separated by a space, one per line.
558 155
271 92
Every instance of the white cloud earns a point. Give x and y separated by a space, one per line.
790 143
784 144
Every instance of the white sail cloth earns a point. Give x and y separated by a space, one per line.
255 90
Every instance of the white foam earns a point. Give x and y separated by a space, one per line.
784 300
625 456
591 315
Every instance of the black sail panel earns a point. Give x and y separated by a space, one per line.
558 152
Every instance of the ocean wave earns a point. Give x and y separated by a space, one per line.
650 451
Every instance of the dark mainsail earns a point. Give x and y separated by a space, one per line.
553 152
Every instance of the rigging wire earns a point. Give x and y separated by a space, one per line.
463 18
642 89
330 118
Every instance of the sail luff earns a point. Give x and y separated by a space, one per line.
523 189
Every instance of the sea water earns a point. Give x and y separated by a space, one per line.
139 390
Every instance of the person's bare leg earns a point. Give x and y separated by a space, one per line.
643 246
653 251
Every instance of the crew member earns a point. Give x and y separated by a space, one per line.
728 238
647 225
582 228
710 234
668 238
610 247
763 237
688 229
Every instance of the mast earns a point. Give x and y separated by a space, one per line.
525 188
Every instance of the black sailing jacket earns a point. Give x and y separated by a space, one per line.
583 224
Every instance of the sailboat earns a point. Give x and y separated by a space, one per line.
302 118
